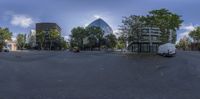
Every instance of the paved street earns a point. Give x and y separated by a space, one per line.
98 75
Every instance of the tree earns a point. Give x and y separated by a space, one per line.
167 21
63 43
21 41
77 36
5 34
111 41
121 42
95 36
184 43
131 28
195 34
53 37
40 35
92 41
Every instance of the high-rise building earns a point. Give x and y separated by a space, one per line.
46 28
103 25
148 42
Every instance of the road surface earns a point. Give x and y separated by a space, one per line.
98 75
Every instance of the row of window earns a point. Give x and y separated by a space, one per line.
153 38
144 48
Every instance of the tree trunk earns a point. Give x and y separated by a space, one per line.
50 45
99 45
82 45
41 46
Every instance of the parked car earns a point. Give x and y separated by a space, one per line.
167 49
76 49
6 49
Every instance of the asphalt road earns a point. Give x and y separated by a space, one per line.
98 75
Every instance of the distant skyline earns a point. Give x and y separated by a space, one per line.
20 16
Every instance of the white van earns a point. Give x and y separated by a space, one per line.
6 49
167 49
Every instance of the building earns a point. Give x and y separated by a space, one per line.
46 28
31 39
149 41
103 25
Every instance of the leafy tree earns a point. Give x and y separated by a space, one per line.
184 43
21 41
95 36
53 37
63 43
92 41
121 42
111 41
195 34
5 34
131 28
167 21
78 34
40 35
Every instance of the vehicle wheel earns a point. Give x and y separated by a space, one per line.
163 54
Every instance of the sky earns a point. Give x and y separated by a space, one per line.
20 16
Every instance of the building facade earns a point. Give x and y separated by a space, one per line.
148 42
103 25
46 28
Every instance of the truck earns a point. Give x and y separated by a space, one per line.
167 49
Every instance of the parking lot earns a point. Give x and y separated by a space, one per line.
98 75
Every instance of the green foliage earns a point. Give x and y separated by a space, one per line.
166 21
184 43
94 35
40 35
53 36
111 41
77 36
64 44
21 41
121 42
195 34
5 34
131 28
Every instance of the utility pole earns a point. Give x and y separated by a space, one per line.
150 40
170 36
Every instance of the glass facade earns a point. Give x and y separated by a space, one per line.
103 25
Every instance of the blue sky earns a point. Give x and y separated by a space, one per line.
21 15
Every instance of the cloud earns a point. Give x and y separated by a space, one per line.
66 37
22 21
14 38
185 29
96 16
189 27
116 33
85 25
